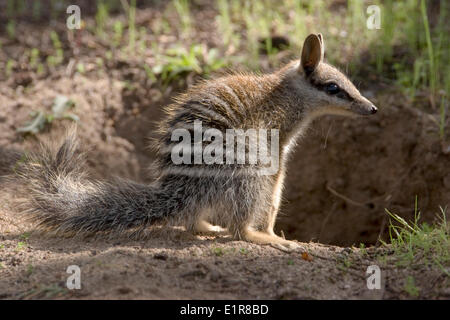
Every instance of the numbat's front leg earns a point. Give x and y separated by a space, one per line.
276 201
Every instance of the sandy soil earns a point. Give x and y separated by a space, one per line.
182 266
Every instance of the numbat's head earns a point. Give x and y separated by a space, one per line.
323 88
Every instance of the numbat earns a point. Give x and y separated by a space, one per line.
192 190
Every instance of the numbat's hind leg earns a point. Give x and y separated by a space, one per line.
203 226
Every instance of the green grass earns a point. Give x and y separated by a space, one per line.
132 26
25 236
11 29
432 74
218 251
411 288
180 61
243 251
118 33
420 243
36 9
57 57
44 291
21 245
182 9
101 17
29 270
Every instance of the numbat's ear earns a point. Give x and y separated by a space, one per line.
322 47
312 53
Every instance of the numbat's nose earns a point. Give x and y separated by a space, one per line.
373 110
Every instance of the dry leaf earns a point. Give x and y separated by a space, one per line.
306 256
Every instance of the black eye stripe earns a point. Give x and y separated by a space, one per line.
342 94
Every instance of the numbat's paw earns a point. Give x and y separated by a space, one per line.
286 246
271 239
206 227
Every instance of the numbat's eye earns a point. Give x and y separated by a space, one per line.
332 88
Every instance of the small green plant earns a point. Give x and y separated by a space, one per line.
10 64
58 57
226 26
34 58
24 236
149 72
29 270
218 251
99 61
411 288
21 6
347 262
101 17
36 9
11 29
118 33
432 74
443 112
182 8
411 240
362 248
10 10
108 55
343 262
48 292
178 61
81 69
40 69
243 251
142 40
21 245
132 26
60 110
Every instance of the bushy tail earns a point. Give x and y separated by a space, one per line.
63 201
